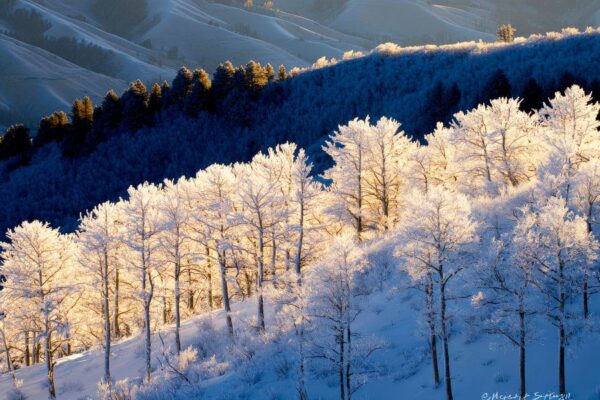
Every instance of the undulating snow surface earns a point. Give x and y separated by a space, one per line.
481 363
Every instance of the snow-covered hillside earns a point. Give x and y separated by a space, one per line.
464 268
202 33
482 363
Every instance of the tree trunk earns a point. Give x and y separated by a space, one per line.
35 348
287 260
432 333
259 282
359 201
298 258
586 309
561 329
522 353
9 365
209 280
348 363
447 376
341 364
302 395
147 339
561 361
106 294
147 279
177 312
49 361
116 329
225 293
273 259
27 353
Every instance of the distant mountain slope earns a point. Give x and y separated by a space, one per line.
396 82
408 22
295 33
32 79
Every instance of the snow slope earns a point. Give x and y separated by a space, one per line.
36 82
405 22
481 363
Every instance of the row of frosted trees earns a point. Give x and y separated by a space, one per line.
500 199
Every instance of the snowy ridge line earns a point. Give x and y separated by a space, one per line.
471 47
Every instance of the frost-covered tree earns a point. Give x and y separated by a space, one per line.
98 240
507 299
438 227
303 197
366 176
586 198
432 165
135 106
570 133
174 240
560 248
506 33
212 199
388 148
261 211
38 263
493 146
334 304
140 236
348 148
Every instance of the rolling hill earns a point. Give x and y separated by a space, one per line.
170 33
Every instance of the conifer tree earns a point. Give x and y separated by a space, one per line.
112 111
82 118
453 97
533 96
135 106
270 71
223 82
282 74
568 79
181 86
497 86
16 143
52 128
256 76
435 105
506 33
155 99
165 88
199 97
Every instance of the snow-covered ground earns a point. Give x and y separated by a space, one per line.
481 363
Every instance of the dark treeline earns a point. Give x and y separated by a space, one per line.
232 94
92 153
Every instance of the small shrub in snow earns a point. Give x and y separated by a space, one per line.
118 390
282 366
15 394
501 377
487 363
